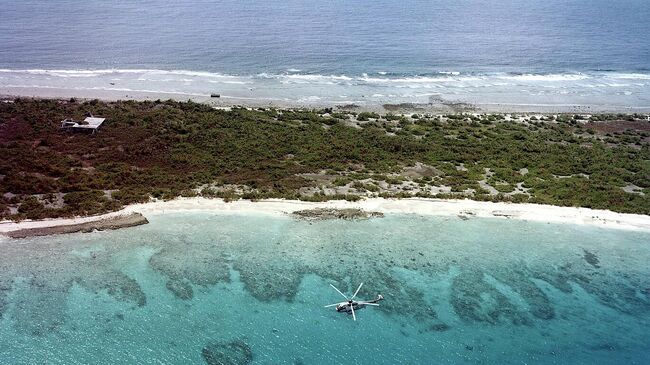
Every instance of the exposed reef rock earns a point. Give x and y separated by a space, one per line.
332 213
123 221
227 353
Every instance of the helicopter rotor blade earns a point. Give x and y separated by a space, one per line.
331 305
357 292
353 316
338 291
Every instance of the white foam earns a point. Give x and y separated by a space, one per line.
91 73
232 82
308 78
444 77
629 76
97 88
549 77
310 98
595 88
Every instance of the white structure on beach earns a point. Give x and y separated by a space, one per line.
90 124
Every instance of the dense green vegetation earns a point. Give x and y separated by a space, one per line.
167 149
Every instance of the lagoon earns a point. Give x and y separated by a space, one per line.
197 287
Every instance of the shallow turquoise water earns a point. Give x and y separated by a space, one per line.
189 288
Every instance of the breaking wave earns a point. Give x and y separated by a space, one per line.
628 89
291 76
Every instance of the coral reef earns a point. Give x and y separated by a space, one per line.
227 353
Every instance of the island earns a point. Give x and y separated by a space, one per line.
161 150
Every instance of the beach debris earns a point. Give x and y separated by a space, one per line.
334 213
508 215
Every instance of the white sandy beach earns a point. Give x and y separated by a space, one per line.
239 98
468 208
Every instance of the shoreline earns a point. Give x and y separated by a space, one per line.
472 105
419 206
102 223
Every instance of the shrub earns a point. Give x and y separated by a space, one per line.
128 196
365 116
341 181
31 208
86 202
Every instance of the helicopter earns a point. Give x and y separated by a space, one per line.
350 305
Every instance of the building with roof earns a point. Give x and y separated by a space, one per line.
90 124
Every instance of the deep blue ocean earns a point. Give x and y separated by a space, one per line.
329 37
558 52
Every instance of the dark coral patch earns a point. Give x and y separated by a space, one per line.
185 263
275 282
227 353
5 287
591 259
181 289
440 327
117 284
476 300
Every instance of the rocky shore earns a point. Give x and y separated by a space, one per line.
116 222
333 213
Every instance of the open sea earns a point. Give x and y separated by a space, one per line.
205 288
527 53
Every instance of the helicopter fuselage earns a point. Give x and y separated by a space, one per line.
346 307
350 306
